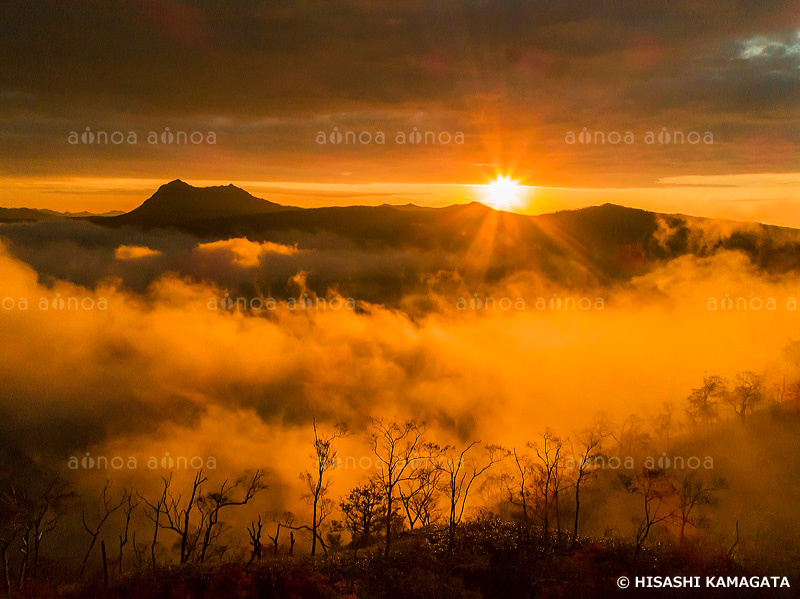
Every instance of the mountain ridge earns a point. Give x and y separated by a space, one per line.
23 215
168 206
605 243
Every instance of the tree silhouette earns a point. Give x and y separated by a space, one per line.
702 405
362 510
747 393
107 508
586 465
396 446
212 503
318 483
654 488
460 472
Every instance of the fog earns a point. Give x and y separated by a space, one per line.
165 366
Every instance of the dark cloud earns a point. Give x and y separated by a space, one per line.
267 77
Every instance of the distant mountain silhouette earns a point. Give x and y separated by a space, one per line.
23 215
19 215
83 214
176 203
599 243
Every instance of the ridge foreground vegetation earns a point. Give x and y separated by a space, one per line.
430 521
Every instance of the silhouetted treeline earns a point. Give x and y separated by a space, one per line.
630 491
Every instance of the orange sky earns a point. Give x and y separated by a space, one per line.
264 90
768 198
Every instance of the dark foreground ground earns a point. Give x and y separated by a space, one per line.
491 560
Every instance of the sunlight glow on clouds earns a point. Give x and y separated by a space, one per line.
133 252
770 47
243 252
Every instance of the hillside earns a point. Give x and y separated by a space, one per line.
602 243
17 215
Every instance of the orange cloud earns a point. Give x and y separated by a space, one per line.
244 252
134 252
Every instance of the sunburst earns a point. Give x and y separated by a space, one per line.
504 193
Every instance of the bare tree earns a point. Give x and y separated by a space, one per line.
747 394
420 495
45 498
663 421
179 517
550 453
14 513
317 482
254 531
396 446
586 465
286 522
692 492
516 485
170 513
631 435
211 504
735 542
108 507
460 472
31 503
138 551
132 501
654 488
275 539
156 514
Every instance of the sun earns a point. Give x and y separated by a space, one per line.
503 193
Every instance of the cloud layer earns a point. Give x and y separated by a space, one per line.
514 78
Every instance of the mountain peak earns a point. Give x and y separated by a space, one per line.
176 183
178 202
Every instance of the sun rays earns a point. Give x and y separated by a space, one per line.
504 193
